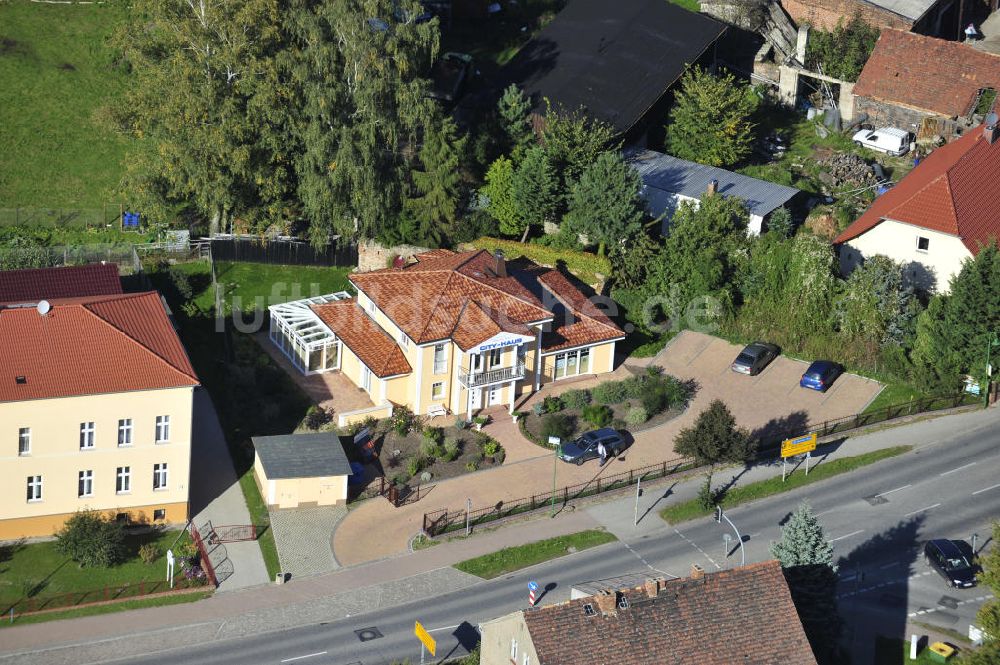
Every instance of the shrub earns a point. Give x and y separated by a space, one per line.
655 400
636 415
538 409
400 479
598 415
582 264
436 434
576 398
430 448
316 417
635 386
557 424
489 447
452 449
610 392
500 455
182 285
402 420
461 423
552 404
92 540
618 423
414 465
472 466
706 497
149 553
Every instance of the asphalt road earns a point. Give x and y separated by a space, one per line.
877 518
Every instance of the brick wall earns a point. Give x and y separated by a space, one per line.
824 14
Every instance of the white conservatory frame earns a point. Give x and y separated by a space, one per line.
305 340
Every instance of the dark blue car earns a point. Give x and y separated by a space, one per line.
821 375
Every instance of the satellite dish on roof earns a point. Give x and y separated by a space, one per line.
43 307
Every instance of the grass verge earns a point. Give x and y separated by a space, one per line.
692 509
894 651
260 517
893 394
510 559
110 608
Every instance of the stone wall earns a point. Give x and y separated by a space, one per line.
824 14
373 256
883 114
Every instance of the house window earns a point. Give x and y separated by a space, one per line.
160 476
404 341
86 436
513 649
371 306
162 429
439 359
125 432
123 481
159 514
24 441
525 660
495 356
34 488
572 363
85 486
366 378
437 390
923 243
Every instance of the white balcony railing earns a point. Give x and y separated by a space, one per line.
475 379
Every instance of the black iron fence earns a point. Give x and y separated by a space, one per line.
338 252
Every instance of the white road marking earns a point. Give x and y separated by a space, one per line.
958 469
895 490
921 510
694 545
434 630
311 655
825 512
888 565
853 533
987 489
945 607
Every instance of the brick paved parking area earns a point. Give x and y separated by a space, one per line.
303 538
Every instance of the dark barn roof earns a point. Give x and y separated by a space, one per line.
616 59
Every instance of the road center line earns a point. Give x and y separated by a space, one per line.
987 489
853 533
966 466
311 655
434 630
888 565
922 510
895 490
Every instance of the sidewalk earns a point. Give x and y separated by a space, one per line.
392 580
216 497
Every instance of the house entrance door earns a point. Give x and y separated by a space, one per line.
495 395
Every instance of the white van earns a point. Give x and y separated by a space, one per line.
889 140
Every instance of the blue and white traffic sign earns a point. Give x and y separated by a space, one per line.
533 586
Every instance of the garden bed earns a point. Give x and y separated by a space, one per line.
637 403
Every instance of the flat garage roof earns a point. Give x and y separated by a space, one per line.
302 455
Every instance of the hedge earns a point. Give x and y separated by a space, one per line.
584 265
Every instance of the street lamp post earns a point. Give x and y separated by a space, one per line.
991 341
555 463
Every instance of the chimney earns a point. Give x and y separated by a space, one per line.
652 587
697 572
501 266
991 128
713 187
606 602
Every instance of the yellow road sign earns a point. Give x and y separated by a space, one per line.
424 637
798 446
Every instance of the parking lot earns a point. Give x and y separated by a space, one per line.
768 400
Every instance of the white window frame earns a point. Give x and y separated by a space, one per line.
34 494
927 242
513 649
85 481
576 353
23 441
437 390
123 480
162 433
525 660
88 435
404 341
371 306
125 431
366 378
440 365
495 358
160 476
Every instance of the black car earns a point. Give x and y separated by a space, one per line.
947 559
585 447
754 358
821 375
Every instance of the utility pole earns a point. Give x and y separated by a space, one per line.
555 463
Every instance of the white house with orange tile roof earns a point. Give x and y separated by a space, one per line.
96 401
450 332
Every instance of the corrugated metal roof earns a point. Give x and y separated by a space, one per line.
302 455
663 175
911 9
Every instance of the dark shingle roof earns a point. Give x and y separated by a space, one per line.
616 59
302 455
743 615
29 285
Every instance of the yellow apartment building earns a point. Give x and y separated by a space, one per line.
450 333
96 398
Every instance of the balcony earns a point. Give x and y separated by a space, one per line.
475 379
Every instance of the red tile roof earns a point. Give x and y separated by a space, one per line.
926 73
364 338
742 615
90 345
461 296
954 190
34 284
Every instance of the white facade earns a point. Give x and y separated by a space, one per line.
671 202
930 258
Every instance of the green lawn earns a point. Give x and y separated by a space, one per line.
55 74
38 571
692 509
159 601
260 285
893 394
495 40
510 559
690 5
893 651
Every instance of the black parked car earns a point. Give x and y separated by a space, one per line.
585 447
947 559
754 358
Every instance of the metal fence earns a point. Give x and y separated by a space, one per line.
63 218
285 251
45 257
444 520
126 591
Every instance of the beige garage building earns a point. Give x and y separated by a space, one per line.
298 470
